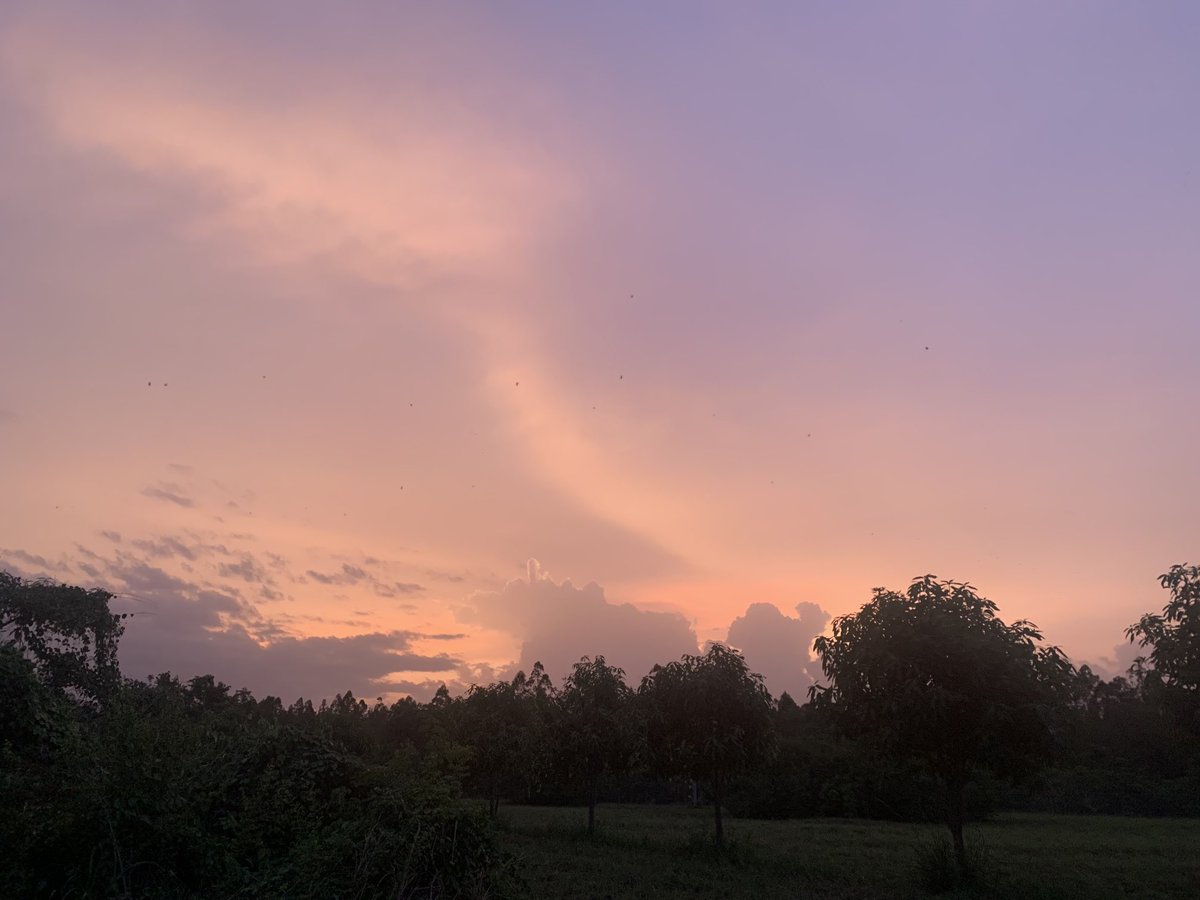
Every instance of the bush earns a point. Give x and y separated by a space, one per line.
162 796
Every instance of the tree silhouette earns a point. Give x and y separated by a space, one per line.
538 700
933 675
707 718
597 728
1172 667
505 726
68 632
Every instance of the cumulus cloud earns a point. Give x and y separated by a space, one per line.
558 623
1123 656
779 647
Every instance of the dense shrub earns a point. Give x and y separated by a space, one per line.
159 795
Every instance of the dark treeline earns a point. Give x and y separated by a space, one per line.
934 710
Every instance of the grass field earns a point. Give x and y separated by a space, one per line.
666 852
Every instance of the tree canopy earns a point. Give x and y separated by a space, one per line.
597 729
1173 664
934 675
708 717
68 632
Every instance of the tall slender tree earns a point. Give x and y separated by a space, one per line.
597 727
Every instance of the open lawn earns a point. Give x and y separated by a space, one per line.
666 852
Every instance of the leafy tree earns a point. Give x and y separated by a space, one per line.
504 725
68 632
1173 665
539 710
597 731
707 718
932 675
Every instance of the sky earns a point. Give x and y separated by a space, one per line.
377 346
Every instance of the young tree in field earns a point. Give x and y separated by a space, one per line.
597 726
1172 668
707 718
931 674
67 632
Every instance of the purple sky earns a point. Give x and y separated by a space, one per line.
319 322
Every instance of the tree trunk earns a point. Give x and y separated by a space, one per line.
717 813
592 808
956 819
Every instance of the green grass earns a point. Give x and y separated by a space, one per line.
662 852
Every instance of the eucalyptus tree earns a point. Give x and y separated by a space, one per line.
506 726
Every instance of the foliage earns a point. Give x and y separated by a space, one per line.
184 789
707 718
506 726
171 789
932 674
597 729
68 632
175 796
820 771
1173 636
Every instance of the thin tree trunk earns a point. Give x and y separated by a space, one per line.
956 818
717 813
592 808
